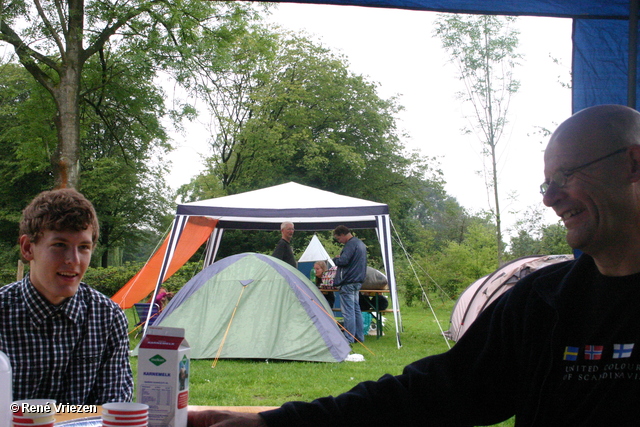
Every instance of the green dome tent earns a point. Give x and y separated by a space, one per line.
255 306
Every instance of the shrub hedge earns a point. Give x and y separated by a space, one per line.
109 280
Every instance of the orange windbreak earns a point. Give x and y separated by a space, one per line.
195 233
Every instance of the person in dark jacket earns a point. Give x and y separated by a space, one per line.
283 249
559 347
352 270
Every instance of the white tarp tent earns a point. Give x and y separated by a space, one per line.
315 252
310 209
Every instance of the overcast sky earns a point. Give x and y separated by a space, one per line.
396 49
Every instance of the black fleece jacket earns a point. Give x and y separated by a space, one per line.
506 364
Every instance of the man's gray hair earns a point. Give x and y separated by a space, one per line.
284 224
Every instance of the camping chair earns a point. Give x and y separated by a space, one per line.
142 310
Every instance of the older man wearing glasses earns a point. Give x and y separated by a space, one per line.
558 348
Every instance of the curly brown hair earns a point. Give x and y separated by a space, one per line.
63 209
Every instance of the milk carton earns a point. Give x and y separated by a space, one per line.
163 376
6 384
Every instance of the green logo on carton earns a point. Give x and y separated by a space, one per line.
157 360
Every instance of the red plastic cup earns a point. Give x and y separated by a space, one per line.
125 414
36 422
133 417
49 424
139 423
34 408
125 408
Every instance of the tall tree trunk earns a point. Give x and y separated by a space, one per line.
497 202
492 141
66 160
105 243
484 49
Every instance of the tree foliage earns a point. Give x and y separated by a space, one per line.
483 48
122 140
226 78
123 147
54 40
26 139
535 237
317 123
289 109
450 269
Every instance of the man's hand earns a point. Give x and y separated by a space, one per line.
224 419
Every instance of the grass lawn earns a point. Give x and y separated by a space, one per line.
271 383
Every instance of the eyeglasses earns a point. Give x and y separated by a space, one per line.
561 177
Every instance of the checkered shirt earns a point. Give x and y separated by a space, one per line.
76 352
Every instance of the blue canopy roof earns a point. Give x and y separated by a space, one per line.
601 48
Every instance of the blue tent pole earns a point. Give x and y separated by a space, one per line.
633 53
